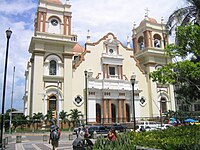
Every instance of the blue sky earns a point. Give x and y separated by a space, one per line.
101 17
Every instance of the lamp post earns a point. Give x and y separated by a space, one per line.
57 112
160 108
133 83
86 79
8 35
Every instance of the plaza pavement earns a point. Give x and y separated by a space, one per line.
38 141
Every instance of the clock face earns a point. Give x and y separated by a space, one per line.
54 22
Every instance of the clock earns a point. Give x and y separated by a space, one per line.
54 22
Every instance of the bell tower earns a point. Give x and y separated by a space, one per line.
50 66
149 41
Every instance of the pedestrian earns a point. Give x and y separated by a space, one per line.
54 137
112 135
81 132
86 132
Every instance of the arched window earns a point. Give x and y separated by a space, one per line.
163 104
52 103
127 113
157 40
98 113
141 42
52 67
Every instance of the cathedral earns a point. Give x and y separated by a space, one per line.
105 80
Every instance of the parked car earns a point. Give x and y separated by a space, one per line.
98 130
166 126
117 127
142 128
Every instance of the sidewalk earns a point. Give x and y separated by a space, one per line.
37 141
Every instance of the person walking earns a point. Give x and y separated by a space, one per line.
54 137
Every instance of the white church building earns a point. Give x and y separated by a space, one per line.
96 78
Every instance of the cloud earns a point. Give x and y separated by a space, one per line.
15 7
22 29
116 16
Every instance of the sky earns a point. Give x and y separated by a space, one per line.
99 16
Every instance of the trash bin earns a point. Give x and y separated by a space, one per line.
94 135
82 144
45 137
4 143
6 140
18 139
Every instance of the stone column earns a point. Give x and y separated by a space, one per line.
120 110
65 25
38 21
104 111
109 111
124 116
44 22
151 39
69 25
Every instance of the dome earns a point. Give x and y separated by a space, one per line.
54 1
147 19
78 48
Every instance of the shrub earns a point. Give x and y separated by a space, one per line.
123 142
178 138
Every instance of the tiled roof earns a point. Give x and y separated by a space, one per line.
78 48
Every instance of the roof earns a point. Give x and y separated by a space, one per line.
152 20
78 48
54 1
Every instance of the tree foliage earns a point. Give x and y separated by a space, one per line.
75 115
182 16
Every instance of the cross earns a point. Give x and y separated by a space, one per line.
147 12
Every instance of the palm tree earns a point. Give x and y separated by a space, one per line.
75 116
63 116
185 15
19 120
37 118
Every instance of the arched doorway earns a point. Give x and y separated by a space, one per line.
127 113
113 111
98 113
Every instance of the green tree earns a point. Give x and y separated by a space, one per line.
185 74
19 120
37 118
183 16
7 118
75 116
63 116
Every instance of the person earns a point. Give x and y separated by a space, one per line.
81 132
54 136
142 129
112 135
86 132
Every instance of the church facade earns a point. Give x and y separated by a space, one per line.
95 79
